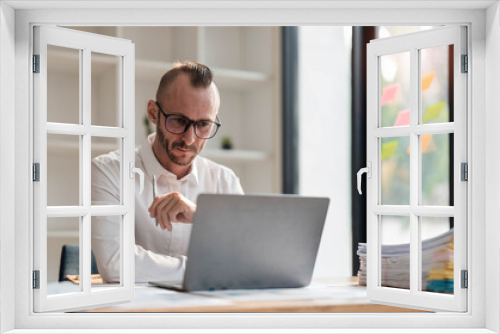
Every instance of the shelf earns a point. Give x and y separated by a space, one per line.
60 147
246 64
63 234
225 78
67 62
238 79
217 155
235 155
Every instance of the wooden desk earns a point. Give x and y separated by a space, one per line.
345 297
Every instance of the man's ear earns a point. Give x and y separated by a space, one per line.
153 112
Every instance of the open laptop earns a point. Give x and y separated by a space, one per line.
252 242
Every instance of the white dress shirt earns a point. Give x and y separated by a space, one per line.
159 254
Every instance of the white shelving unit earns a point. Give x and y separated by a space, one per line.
227 79
223 155
247 67
246 63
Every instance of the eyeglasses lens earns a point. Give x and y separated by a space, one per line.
203 129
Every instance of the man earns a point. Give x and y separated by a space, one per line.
185 115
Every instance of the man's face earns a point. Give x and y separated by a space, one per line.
193 103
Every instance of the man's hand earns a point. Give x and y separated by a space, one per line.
172 207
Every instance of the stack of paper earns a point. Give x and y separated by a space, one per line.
437 264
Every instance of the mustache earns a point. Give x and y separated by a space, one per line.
184 146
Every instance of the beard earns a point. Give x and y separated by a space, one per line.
169 148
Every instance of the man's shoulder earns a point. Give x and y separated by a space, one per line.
109 160
207 165
218 178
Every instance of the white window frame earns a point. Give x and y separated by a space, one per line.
123 50
483 314
412 44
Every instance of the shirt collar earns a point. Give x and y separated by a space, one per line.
153 166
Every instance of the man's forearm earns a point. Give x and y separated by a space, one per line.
150 266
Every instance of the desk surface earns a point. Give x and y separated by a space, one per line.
337 295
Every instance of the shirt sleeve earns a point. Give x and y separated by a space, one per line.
106 231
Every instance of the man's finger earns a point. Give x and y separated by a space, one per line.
166 220
168 225
175 211
167 205
184 213
180 211
152 209
158 203
161 221
182 218
172 217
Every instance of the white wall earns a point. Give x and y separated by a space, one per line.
7 164
492 160
325 139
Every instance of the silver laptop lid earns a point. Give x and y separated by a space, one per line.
254 241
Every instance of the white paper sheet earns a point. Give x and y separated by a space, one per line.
315 291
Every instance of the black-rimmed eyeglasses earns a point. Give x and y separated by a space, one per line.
178 124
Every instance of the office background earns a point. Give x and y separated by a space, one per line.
286 107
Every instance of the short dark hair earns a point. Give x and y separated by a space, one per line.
200 76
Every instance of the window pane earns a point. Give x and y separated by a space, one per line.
63 170
437 254
436 73
106 245
106 171
395 171
437 173
63 85
62 231
105 90
395 89
395 248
